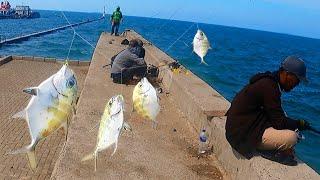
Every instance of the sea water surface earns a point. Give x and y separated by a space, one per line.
236 55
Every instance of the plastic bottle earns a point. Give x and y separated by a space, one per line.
203 144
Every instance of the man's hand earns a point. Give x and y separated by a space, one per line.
303 125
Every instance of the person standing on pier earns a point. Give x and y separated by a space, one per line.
115 19
256 120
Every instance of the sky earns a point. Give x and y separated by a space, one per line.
296 17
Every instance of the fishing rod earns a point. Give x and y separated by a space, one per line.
312 129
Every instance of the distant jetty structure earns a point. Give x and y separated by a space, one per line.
3 40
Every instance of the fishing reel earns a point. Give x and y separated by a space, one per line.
174 65
152 71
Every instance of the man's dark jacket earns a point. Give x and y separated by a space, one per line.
255 108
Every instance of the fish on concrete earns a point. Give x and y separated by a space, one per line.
201 45
51 106
111 125
146 100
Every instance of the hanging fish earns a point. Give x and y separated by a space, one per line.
201 45
111 125
49 109
146 100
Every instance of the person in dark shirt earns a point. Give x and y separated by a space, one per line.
256 120
129 63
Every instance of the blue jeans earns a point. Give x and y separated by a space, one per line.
115 28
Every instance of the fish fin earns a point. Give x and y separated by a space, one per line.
154 124
32 91
89 157
30 151
115 148
126 126
65 129
22 114
95 162
203 62
210 47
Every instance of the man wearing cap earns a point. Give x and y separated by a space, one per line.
129 63
256 120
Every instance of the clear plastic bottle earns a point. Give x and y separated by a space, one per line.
203 144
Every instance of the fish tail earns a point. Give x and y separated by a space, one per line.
93 155
203 62
88 157
30 151
95 162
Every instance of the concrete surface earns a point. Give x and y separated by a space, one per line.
169 152
205 107
16 75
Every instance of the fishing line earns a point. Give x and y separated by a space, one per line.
170 19
77 34
179 38
74 35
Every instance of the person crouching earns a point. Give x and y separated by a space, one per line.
129 63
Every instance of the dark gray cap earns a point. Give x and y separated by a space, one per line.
135 43
296 66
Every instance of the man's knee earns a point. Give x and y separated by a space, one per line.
290 138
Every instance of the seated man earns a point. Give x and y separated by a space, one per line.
128 63
256 120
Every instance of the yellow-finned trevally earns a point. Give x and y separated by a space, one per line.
201 45
111 125
146 100
49 109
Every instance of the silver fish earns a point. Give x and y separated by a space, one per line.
49 109
201 45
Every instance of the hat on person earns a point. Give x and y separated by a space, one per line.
296 66
135 43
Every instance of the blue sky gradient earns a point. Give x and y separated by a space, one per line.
297 17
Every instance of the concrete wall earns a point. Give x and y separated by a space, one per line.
51 60
205 107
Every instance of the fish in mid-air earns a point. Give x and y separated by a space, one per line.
146 100
51 106
201 45
110 128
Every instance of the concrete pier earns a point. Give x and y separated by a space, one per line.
188 104
168 152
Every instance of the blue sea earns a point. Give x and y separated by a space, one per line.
236 55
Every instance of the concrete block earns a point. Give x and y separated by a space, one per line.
53 60
73 62
38 58
84 63
28 58
17 57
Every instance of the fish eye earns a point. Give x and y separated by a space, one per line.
71 83
201 33
140 85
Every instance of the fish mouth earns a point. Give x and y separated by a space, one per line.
200 38
143 92
117 112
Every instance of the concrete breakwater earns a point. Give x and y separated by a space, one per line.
170 151
3 40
